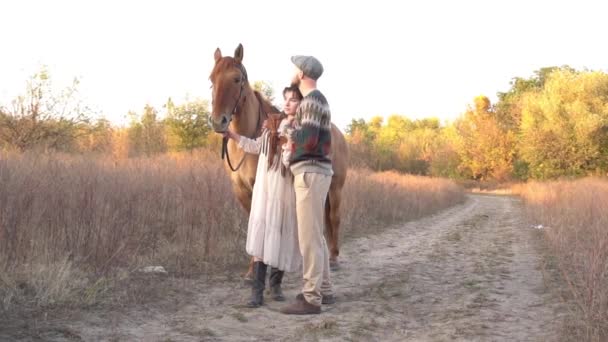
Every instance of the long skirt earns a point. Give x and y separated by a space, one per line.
272 233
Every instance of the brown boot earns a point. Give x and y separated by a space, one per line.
301 307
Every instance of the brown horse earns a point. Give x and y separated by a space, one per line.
236 105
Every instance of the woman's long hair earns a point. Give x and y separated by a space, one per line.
272 144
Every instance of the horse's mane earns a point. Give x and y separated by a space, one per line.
267 107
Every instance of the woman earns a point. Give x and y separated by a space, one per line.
272 236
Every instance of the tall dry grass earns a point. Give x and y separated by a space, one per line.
68 221
71 225
377 199
575 214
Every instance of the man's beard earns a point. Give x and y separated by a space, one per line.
295 82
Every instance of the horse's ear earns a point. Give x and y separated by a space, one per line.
238 53
217 55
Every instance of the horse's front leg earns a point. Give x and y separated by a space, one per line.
243 194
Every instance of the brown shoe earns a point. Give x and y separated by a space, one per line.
301 307
328 299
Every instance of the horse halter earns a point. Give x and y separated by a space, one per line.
243 80
225 140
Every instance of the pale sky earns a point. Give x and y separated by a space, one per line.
417 58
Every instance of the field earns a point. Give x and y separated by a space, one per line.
428 260
72 228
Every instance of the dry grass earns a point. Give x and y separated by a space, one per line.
575 217
384 198
64 218
72 227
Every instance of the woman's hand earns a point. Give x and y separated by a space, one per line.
290 119
231 135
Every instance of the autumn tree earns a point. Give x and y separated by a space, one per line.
188 124
97 137
485 149
445 160
360 143
43 117
509 106
399 144
565 124
146 134
508 109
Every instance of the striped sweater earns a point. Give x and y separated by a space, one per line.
311 136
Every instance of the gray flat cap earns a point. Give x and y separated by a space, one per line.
309 65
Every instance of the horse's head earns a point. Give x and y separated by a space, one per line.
229 82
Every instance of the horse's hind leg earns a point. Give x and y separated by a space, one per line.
243 195
332 222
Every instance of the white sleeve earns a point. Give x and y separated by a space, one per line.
283 127
252 146
286 130
286 154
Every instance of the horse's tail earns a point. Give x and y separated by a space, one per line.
328 229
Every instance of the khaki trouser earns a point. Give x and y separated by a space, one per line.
311 191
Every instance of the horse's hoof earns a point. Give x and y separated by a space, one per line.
334 265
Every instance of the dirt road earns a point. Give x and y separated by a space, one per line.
470 273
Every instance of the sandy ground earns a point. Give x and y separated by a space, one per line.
470 273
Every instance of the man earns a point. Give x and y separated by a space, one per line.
307 153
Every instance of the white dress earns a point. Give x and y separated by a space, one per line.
272 232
